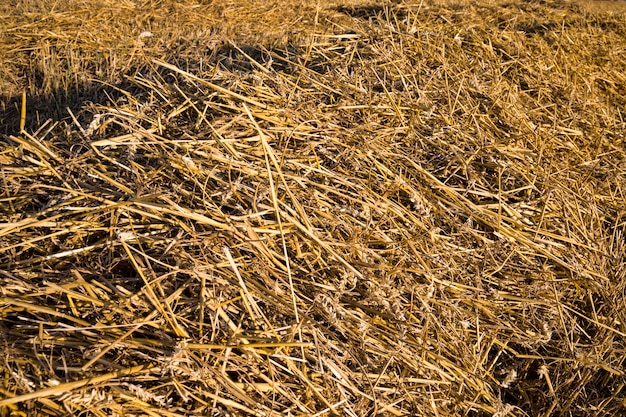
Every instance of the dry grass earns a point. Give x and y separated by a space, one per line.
351 208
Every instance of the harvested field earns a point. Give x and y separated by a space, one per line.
357 208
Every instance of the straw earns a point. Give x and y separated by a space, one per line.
346 208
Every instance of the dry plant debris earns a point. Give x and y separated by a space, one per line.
350 208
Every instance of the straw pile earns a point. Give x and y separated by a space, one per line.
354 208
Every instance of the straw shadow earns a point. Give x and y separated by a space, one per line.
245 59
250 58
54 105
362 12
373 12
539 28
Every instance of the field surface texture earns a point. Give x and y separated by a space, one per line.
343 208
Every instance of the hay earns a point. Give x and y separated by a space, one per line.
349 209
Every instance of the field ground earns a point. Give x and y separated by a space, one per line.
357 208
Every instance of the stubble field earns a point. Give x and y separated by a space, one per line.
352 208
